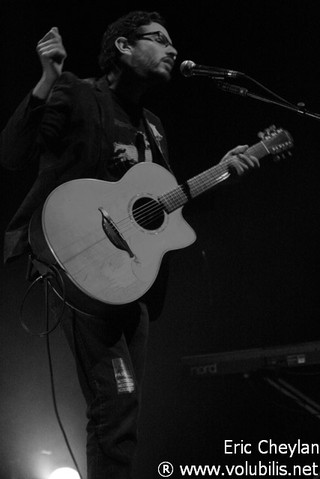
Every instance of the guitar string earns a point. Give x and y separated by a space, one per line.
146 214
149 213
155 206
197 183
157 209
154 209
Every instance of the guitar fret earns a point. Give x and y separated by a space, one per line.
208 179
257 150
195 186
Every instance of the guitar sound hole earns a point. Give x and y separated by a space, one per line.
148 213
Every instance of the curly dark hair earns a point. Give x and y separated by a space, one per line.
125 26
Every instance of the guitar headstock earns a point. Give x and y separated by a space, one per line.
277 141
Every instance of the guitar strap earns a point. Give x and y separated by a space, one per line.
160 156
141 146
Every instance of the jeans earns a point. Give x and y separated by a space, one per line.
110 359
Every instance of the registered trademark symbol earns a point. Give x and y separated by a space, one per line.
165 469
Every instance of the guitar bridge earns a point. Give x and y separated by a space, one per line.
113 234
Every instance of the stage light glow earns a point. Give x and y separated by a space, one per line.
64 473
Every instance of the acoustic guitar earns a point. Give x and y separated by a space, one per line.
108 238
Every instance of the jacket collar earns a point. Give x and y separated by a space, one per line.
101 84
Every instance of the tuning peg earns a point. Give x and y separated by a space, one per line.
268 132
263 135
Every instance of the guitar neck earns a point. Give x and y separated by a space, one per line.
204 181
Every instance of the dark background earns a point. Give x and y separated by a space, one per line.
250 280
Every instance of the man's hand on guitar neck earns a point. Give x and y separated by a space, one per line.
239 162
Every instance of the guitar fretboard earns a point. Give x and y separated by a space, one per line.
204 181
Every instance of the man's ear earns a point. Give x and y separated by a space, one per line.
123 45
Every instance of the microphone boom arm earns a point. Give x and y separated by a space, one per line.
238 90
188 68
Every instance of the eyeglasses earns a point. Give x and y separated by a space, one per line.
158 37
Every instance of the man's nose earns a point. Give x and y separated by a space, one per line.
173 52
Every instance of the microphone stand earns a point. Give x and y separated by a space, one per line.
238 90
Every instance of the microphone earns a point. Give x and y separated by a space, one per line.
189 68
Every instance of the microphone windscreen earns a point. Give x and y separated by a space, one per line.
186 68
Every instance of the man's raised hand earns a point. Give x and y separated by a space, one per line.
52 54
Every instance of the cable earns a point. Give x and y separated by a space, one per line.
52 273
53 392
270 91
